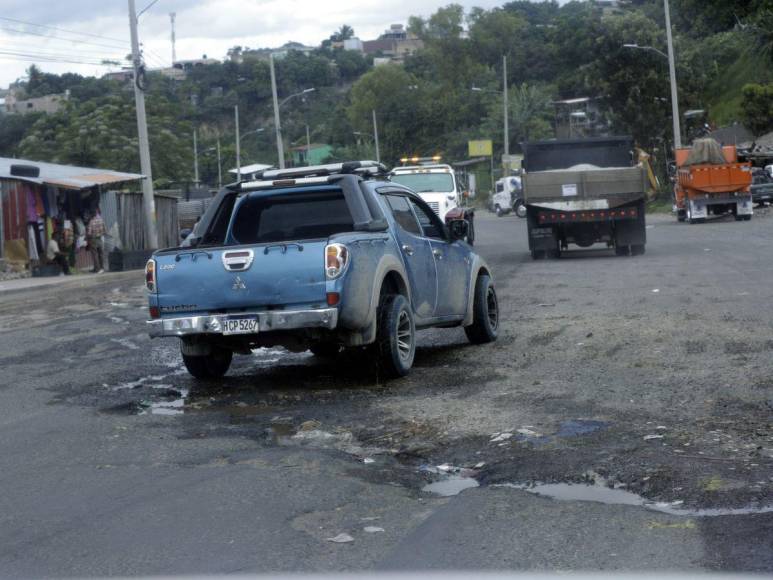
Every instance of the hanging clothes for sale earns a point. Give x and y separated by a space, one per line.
32 247
32 214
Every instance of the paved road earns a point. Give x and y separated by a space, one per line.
641 386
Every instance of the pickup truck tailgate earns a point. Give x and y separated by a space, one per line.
235 278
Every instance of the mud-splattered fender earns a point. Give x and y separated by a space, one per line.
372 260
478 265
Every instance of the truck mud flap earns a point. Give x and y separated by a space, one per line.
632 232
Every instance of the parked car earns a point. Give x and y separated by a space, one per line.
321 258
761 187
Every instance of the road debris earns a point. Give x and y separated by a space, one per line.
650 437
372 529
497 437
341 539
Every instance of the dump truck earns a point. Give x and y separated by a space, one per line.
711 180
584 192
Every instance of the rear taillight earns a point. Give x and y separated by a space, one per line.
336 260
154 312
150 275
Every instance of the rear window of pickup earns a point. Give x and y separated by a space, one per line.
287 216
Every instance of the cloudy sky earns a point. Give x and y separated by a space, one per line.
84 32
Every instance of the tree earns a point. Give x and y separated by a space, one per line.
757 108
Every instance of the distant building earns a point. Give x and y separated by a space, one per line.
124 75
353 44
264 53
45 104
315 154
579 117
395 43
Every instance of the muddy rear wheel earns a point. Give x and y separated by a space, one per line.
395 336
209 366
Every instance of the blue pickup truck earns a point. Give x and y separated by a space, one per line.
320 258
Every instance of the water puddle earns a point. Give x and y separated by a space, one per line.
603 494
452 485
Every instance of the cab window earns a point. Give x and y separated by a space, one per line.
430 223
404 217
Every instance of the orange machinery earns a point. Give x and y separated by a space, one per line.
716 189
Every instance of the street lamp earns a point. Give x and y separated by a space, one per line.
671 74
298 94
277 124
505 116
650 48
219 163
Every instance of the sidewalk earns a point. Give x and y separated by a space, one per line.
75 281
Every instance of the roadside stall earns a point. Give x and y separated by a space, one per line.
39 199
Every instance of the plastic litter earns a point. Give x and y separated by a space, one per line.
372 529
655 290
650 437
501 437
528 432
368 460
341 539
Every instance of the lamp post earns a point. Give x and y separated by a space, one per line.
277 106
219 162
671 74
506 126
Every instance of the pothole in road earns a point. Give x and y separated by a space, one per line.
600 493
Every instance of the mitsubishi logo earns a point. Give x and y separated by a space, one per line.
238 284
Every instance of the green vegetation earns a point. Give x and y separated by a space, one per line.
426 105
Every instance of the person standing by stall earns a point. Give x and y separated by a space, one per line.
95 235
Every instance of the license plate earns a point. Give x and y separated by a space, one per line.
240 326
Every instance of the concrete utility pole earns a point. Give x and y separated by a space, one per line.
504 92
280 150
238 146
375 137
195 159
219 166
148 201
308 146
672 74
172 16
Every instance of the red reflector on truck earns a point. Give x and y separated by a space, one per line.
154 312
333 298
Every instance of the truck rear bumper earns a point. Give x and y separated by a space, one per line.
268 321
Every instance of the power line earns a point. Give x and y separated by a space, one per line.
124 42
53 37
34 58
58 51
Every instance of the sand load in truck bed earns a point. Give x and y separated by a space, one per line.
705 152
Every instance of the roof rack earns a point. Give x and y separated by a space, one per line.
364 168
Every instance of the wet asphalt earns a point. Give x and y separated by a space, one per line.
623 421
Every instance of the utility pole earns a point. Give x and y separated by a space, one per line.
172 16
219 166
148 201
195 159
238 148
375 137
308 146
504 92
279 145
672 74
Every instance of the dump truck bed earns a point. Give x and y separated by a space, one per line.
592 188
727 178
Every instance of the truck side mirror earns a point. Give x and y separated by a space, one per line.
458 229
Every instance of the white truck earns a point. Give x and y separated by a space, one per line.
438 185
508 196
